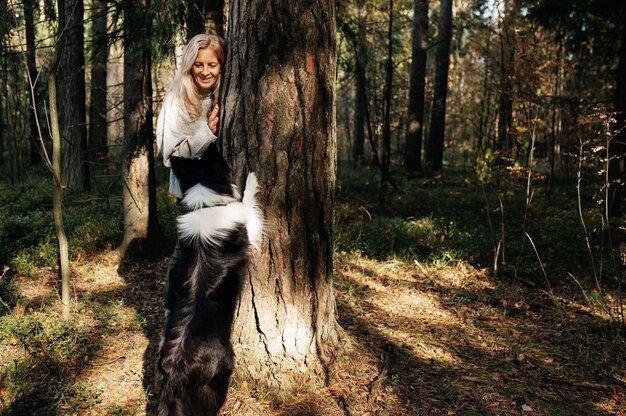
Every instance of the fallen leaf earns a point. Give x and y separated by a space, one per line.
13 341
527 408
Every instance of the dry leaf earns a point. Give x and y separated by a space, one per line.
527 408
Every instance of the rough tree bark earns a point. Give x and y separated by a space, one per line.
98 144
71 91
434 149
143 236
413 160
279 114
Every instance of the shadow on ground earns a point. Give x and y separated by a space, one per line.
447 349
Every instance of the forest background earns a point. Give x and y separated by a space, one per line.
465 250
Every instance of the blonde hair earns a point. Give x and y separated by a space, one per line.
183 85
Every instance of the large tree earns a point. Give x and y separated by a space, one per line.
71 92
98 143
413 160
143 236
434 148
279 121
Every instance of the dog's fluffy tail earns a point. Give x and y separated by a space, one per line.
255 217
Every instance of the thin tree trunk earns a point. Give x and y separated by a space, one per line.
71 90
413 160
617 145
434 149
29 23
553 128
358 150
143 236
279 114
98 143
57 202
483 124
505 100
387 109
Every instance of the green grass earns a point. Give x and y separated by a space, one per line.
438 221
40 378
454 218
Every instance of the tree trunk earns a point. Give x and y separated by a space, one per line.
57 202
205 16
413 160
143 236
387 106
358 151
279 121
505 100
554 139
617 145
434 150
31 63
98 143
71 90
485 113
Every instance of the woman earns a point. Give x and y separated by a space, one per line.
188 121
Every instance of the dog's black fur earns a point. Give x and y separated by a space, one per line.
196 357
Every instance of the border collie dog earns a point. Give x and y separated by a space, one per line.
216 232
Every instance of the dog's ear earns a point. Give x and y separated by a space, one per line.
212 157
213 161
217 175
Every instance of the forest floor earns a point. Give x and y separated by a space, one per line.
420 340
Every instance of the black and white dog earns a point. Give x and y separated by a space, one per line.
216 232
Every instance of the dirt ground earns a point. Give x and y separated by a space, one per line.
419 340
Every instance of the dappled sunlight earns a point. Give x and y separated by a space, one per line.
421 339
113 314
116 373
464 336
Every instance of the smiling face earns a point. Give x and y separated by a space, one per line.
205 70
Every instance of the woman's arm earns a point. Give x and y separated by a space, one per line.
177 135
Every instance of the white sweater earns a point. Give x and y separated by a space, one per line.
178 135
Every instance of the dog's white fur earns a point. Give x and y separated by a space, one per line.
200 196
221 215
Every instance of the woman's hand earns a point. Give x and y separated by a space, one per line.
214 119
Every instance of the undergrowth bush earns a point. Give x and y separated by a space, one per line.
450 218
49 352
93 222
419 220
21 231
